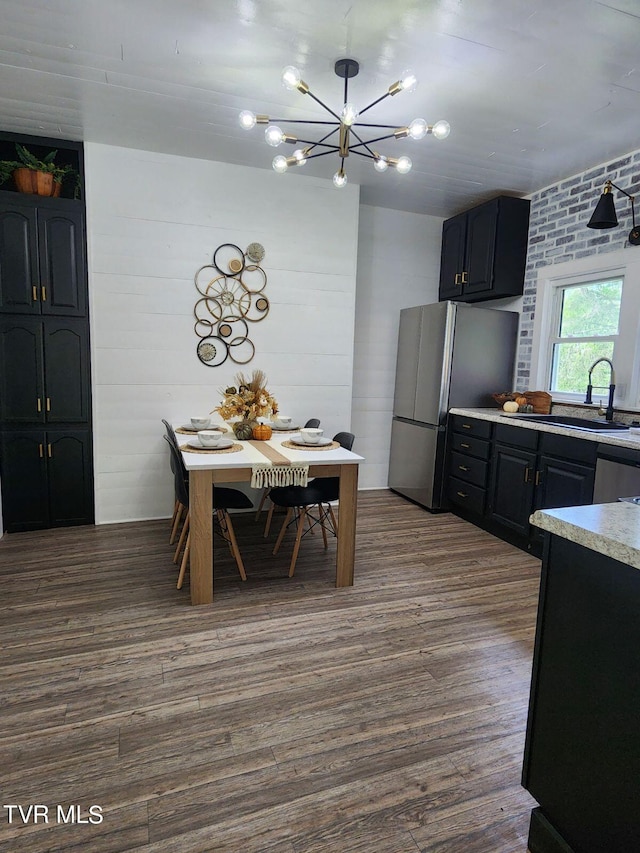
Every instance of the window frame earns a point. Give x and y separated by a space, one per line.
622 264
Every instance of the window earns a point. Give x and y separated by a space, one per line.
588 309
586 327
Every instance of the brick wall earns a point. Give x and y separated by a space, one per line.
558 233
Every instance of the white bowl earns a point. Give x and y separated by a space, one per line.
283 420
311 435
200 422
209 437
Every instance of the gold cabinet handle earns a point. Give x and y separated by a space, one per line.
39 404
465 279
462 494
49 453
457 279
44 293
538 478
34 293
527 474
41 449
466 426
466 446
48 404
463 468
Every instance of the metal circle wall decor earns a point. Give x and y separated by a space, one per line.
231 295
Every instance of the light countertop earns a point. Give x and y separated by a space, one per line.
610 529
620 438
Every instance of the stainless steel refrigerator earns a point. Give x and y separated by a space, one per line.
450 354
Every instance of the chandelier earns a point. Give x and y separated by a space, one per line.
345 136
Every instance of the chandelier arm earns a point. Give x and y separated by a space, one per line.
361 142
311 121
362 154
323 105
366 124
379 139
321 153
373 103
322 144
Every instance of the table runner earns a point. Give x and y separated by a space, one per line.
277 470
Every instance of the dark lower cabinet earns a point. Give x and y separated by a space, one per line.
582 751
499 474
47 479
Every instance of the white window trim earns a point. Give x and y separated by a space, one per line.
623 263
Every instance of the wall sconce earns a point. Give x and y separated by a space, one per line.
604 216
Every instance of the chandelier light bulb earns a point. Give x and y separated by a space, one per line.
349 114
441 129
340 179
247 119
408 81
273 135
418 128
291 77
301 156
280 164
403 165
380 163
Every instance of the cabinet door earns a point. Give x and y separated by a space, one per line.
25 504
66 366
480 248
562 483
452 257
21 371
62 266
19 279
512 486
70 482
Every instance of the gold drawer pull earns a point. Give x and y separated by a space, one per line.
456 281
467 426
48 404
34 293
49 453
462 494
463 468
538 478
466 446
39 404
41 449
465 280
527 475
44 293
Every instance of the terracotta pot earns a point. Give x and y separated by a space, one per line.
37 183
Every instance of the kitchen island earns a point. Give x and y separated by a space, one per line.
582 752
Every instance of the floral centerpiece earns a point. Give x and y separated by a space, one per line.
247 401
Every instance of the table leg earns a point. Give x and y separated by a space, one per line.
346 550
201 558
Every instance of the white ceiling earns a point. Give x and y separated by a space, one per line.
534 90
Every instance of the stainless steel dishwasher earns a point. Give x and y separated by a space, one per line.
617 473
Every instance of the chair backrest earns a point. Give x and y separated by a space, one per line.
179 473
170 433
312 423
345 439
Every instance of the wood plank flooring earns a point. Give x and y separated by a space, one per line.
287 716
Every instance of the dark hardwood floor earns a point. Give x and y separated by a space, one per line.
287 716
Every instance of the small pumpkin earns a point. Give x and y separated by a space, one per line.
521 401
243 430
510 406
262 432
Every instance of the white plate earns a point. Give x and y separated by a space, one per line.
224 442
291 426
298 439
197 429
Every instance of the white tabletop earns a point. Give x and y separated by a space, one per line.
250 455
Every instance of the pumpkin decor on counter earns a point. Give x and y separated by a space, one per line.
510 406
262 432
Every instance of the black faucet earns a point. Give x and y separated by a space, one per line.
612 387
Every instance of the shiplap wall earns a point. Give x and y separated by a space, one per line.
152 221
398 267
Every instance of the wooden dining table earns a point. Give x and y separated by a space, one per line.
211 468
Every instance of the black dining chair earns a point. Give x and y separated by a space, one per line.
299 501
312 423
224 499
178 507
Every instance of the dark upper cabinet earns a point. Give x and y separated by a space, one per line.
42 261
484 251
46 479
45 371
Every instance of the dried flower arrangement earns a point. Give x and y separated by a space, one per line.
249 399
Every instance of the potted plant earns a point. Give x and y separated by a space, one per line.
41 176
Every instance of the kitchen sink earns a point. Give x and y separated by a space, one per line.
573 423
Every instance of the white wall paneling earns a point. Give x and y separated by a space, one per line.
153 220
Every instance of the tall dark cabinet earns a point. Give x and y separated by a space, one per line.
46 456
